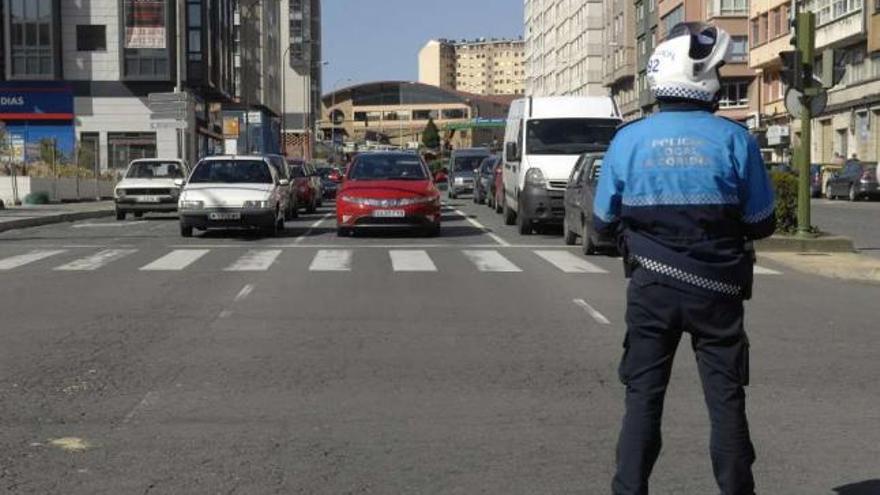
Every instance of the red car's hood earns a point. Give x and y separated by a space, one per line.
387 188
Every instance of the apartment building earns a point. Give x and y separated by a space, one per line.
849 124
482 66
738 85
301 74
564 50
646 39
620 56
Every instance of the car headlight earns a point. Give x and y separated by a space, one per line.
255 204
120 193
418 200
190 205
535 177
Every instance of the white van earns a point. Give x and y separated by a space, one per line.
542 141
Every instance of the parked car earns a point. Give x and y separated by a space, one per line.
484 178
495 186
579 196
148 186
388 189
855 181
543 139
304 185
462 164
233 192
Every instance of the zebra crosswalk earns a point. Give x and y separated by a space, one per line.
396 260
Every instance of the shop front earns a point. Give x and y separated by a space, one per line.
36 125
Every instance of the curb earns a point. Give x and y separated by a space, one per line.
784 244
23 223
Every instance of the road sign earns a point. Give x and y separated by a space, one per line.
168 97
169 124
777 135
795 107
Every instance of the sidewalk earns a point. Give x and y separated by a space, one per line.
18 217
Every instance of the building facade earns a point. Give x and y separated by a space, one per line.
301 74
82 73
485 67
619 64
850 123
396 113
564 47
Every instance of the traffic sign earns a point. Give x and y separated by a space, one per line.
168 97
794 105
169 124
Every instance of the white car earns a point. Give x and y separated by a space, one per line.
148 185
233 192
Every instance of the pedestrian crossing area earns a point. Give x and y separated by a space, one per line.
397 260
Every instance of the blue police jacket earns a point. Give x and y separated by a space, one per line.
686 191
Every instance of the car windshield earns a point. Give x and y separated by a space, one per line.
387 167
232 171
297 171
468 163
155 170
569 136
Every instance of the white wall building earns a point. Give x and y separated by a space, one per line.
564 47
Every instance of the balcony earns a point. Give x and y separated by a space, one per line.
720 8
767 54
839 29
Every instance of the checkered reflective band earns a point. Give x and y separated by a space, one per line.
688 278
679 92
760 215
709 198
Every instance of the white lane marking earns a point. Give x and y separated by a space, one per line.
308 232
225 314
255 260
482 227
568 262
149 399
31 257
176 260
108 224
244 292
599 317
491 261
549 247
760 270
97 260
411 260
332 260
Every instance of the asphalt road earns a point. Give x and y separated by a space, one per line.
859 221
136 361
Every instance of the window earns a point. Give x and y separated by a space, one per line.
739 50
91 38
455 113
145 40
127 146
775 28
673 18
756 32
734 7
734 94
88 151
31 38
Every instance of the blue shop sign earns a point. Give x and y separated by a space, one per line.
44 100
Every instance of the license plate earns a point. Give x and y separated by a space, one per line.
389 213
148 199
225 216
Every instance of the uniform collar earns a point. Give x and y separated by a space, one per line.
685 106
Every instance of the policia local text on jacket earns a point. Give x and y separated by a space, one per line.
686 190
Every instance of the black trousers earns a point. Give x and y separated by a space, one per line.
656 316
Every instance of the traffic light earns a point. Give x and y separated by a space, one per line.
792 72
833 67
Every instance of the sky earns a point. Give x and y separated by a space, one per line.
374 40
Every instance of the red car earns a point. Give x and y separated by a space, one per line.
388 189
304 185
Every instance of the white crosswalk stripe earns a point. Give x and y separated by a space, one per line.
411 260
332 260
176 260
760 270
491 261
255 260
568 262
14 262
97 260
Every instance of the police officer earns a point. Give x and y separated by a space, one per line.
685 191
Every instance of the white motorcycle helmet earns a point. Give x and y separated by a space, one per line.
685 66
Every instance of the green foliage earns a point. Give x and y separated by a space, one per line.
37 198
435 165
786 187
431 136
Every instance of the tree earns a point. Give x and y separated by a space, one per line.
431 136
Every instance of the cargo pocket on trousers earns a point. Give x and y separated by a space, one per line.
623 368
744 363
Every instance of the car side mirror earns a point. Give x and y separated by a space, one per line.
179 182
511 151
283 182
